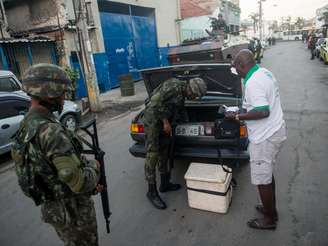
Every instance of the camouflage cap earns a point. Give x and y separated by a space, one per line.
45 80
197 86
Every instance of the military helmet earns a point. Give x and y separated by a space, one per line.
197 86
45 80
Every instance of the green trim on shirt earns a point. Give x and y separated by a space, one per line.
250 73
265 107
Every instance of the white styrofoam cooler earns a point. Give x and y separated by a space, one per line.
209 187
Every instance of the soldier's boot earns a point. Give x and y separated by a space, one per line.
154 197
166 185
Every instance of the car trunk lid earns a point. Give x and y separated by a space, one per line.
218 77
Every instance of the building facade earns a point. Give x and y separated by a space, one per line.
321 19
125 36
196 16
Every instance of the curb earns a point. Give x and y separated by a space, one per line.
134 109
7 167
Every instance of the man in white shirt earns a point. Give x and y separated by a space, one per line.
266 132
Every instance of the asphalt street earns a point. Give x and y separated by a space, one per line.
301 178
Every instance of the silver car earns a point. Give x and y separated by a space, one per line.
14 103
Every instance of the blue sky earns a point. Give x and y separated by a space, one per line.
294 8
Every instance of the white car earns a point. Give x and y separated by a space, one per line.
14 103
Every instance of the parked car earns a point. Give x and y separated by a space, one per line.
13 106
71 114
14 103
318 46
206 136
324 51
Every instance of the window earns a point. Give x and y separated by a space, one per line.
8 85
10 108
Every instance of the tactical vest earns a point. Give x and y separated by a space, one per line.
176 104
37 177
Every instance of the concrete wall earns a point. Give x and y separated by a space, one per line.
49 15
167 12
194 27
193 8
230 12
319 22
33 14
95 34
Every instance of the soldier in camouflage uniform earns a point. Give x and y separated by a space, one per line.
165 103
49 164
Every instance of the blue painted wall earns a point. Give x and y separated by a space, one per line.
163 59
102 71
130 43
145 41
3 59
81 90
118 40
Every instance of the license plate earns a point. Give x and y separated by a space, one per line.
192 130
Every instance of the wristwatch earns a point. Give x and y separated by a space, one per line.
237 117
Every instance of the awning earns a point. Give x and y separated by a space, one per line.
24 40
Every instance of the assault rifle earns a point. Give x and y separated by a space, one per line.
172 146
90 128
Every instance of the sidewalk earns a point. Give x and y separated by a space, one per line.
114 95
114 104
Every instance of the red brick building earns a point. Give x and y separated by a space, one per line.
193 8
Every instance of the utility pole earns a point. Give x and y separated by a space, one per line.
261 19
89 70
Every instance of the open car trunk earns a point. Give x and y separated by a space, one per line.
204 135
218 77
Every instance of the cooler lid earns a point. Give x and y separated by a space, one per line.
206 172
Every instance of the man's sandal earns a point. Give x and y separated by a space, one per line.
260 209
261 225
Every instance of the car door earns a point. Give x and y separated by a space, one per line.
322 50
12 112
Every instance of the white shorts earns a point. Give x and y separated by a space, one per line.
263 157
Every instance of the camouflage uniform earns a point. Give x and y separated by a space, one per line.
166 102
52 171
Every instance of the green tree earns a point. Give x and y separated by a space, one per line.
73 75
286 23
274 26
299 23
255 19
324 18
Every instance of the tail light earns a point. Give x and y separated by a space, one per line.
137 128
242 131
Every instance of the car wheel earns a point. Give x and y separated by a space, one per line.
69 121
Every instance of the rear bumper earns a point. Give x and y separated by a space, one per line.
204 141
207 154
